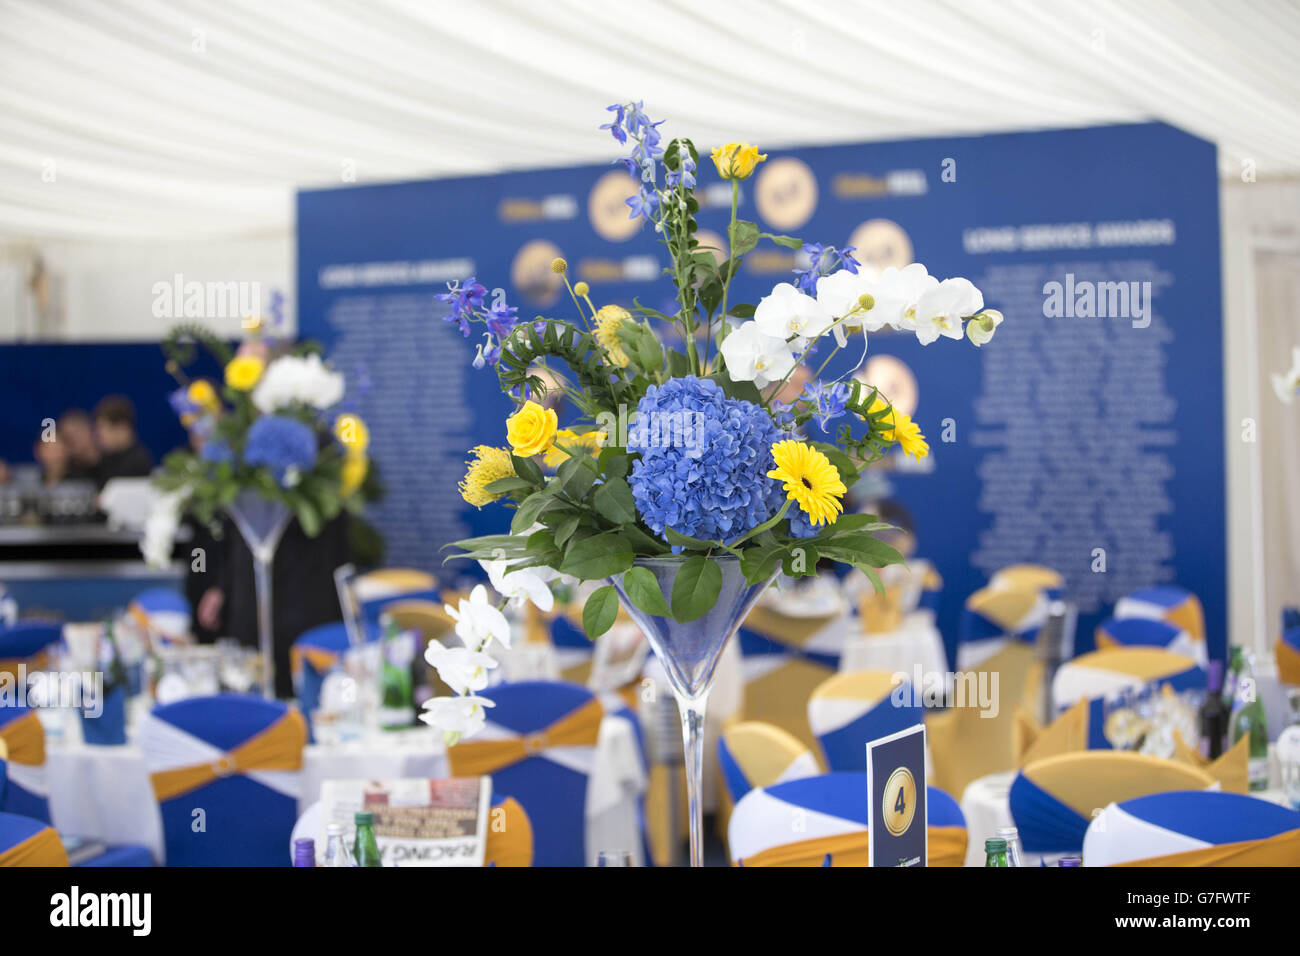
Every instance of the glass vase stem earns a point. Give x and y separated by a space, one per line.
265 640
692 714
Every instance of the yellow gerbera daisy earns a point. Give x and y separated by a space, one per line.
556 456
898 427
608 321
810 479
487 465
243 372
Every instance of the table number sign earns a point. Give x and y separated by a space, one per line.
896 810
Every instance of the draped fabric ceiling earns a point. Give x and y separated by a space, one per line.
189 119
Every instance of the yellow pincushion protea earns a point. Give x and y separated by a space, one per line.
608 321
487 465
900 428
809 479
590 441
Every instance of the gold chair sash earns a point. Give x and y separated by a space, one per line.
1232 769
278 747
36 662
24 738
1066 734
1288 662
480 758
947 847
1280 850
512 844
42 849
320 659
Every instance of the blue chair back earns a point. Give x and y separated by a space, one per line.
25 791
28 842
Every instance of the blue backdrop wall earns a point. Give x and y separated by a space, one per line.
1093 445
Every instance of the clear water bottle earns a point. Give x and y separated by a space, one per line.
1012 837
337 852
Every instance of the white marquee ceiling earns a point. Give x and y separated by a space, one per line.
193 119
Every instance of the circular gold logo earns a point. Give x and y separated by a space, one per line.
882 243
785 192
898 806
607 206
894 379
531 273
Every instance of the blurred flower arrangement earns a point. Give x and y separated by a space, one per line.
685 450
272 425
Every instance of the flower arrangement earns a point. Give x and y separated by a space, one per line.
273 425
681 444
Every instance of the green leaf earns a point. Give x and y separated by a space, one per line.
843 464
308 516
793 562
865 549
527 469
758 563
742 310
614 501
564 530
643 591
744 237
530 509
613 463
696 588
506 485
686 541
599 612
769 523
598 556
790 242
576 476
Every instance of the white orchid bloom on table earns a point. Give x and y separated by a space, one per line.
1286 384
754 356
941 309
456 717
526 584
786 312
478 621
463 669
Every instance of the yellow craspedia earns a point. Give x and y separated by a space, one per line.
244 371
809 479
590 441
202 394
737 160
531 430
353 474
898 427
608 321
352 433
487 465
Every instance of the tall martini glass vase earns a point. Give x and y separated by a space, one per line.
689 653
261 524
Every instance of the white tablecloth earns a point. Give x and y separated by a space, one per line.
103 793
916 643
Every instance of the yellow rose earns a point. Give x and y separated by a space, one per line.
590 441
243 372
354 473
202 394
352 433
531 430
737 160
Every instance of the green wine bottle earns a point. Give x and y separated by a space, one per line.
365 850
995 851
1248 721
396 688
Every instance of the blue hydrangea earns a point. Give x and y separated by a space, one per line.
284 445
217 452
704 461
800 526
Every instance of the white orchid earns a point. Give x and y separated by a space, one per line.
786 311
526 584
456 717
158 535
294 379
975 329
753 356
478 622
1285 385
897 293
940 310
463 669
839 294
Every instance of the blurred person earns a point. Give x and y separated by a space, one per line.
54 459
76 432
121 453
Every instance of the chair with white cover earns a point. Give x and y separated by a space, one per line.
539 747
163 613
1193 828
1102 673
754 754
1149 632
233 762
822 821
1176 606
848 710
1054 800
28 842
